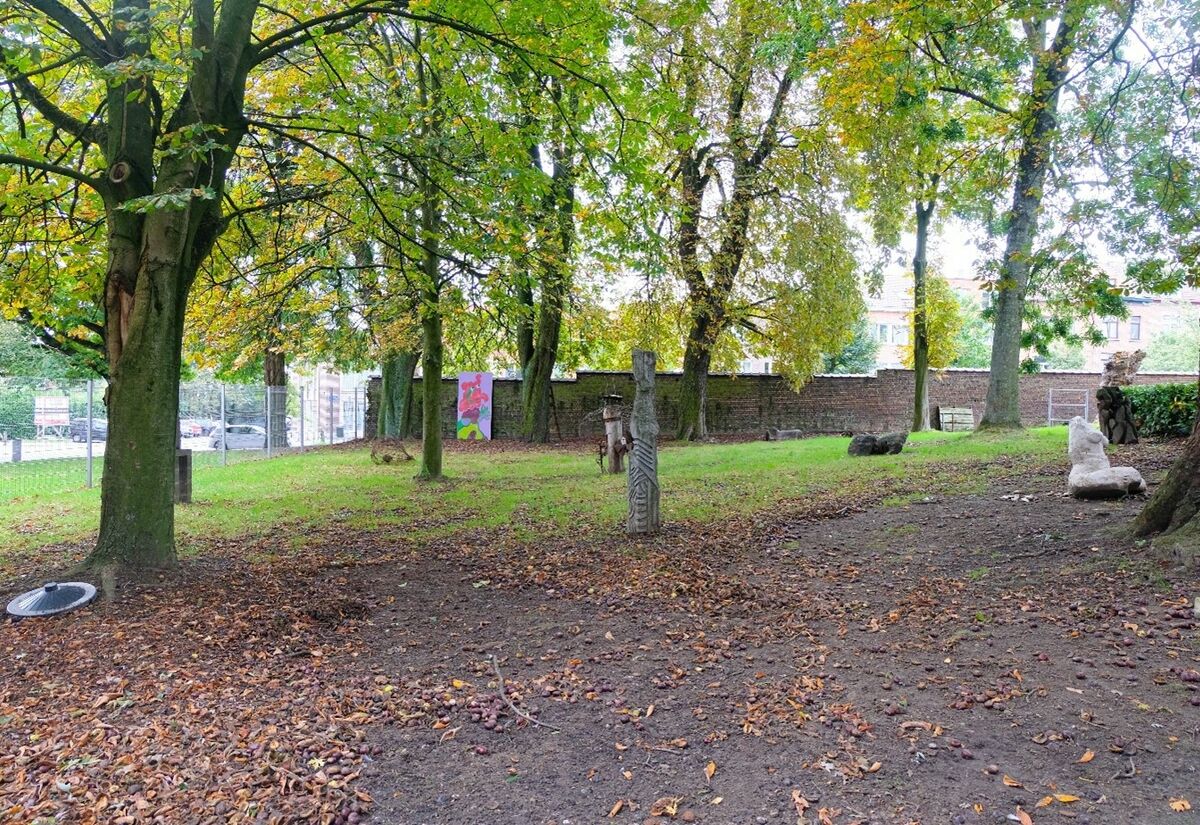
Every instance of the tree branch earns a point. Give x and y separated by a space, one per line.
980 99
86 132
75 28
96 184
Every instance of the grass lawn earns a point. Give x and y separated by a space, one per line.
546 491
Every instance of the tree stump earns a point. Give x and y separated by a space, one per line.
1116 416
643 492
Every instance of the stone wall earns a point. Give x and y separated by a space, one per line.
748 404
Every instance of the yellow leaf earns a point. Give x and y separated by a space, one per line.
616 808
1088 756
650 711
978 807
1066 797
1180 805
666 806
1044 801
709 770
458 684
1012 783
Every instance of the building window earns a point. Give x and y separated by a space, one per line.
1135 328
881 333
766 366
899 333
1112 330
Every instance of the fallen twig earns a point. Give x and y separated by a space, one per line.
511 706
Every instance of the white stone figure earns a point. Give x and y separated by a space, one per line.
1091 474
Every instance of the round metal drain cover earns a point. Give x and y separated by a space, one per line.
52 598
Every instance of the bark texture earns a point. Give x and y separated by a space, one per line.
396 395
275 378
1002 408
1174 509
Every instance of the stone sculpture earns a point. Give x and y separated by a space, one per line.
776 434
888 443
1092 476
644 515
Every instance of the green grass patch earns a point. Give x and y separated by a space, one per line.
537 492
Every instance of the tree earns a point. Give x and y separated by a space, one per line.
943 322
1176 349
749 185
1058 37
857 357
974 343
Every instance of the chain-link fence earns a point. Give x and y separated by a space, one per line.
53 431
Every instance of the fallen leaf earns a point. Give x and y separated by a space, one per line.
1023 818
666 806
1066 797
1180 805
458 684
1044 801
716 800
1088 756
1012 783
622 747
800 802
616 808
650 711
709 770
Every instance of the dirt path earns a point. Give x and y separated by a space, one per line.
961 659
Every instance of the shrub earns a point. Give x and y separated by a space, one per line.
1163 409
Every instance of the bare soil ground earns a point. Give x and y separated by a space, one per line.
976 658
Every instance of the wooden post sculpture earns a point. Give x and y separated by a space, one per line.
614 439
644 516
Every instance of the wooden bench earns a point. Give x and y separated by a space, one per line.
956 419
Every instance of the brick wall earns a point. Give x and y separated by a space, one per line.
751 403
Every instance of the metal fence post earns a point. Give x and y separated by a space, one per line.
302 416
90 388
269 421
331 429
224 429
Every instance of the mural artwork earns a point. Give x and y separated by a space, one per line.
474 406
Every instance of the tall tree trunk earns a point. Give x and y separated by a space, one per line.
535 385
556 231
693 384
920 420
525 321
396 394
137 510
1174 509
431 388
275 378
1003 406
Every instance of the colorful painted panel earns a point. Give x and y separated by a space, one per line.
475 406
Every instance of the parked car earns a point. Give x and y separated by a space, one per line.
238 437
191 428
79 429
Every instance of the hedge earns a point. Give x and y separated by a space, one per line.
1163 409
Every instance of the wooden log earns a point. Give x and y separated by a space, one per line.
614 438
